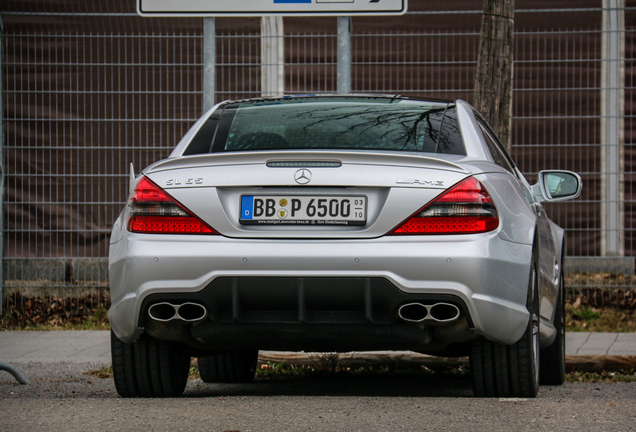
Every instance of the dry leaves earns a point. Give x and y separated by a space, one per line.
23 312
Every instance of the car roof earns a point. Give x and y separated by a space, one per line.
326 96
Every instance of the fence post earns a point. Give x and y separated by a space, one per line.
344 54
612 123
272 56
209 62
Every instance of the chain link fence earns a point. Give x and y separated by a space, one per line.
89 88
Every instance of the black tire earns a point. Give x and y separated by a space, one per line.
149 368
553 357
229 367
510 370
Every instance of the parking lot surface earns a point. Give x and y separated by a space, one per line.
62 395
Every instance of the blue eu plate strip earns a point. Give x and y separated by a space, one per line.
247 207
292 1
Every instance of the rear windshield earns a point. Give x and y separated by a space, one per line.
338 123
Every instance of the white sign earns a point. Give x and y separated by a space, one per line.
172 8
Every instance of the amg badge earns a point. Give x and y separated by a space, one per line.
438 183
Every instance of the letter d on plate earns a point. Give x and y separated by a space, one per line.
247 207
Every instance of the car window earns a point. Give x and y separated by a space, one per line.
496 148
337 123
202 141
450 138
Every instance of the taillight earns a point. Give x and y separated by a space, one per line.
153 211
466 208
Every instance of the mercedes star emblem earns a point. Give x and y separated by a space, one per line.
302 176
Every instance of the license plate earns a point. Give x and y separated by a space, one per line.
303 210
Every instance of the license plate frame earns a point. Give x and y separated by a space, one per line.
328 210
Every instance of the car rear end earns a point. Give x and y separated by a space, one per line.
321 225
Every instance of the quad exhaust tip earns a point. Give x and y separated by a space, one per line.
186 312
438 312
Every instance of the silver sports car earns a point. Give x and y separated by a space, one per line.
338 223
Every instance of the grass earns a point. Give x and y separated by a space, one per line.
284 372
602 377
103 373
583 318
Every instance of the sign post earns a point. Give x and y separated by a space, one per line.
273 56
209 62
208 9
344 55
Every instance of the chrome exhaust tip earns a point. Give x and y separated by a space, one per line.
444 312
162 312
413 312
437 313
186 312
191 312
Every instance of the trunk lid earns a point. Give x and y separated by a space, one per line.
391 186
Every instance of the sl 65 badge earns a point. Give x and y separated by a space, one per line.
187 181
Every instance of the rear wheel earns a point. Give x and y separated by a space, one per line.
149 368
553 357
229 367
510 370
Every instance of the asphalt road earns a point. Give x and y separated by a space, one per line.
62 397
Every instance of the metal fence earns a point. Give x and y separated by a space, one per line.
90 87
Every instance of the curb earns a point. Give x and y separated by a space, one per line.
581 363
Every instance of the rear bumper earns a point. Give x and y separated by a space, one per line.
487 277
302 314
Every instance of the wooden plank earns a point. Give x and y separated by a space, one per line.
361 359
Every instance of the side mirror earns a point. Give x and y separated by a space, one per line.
557 186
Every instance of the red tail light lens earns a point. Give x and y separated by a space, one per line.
466 208
153 211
